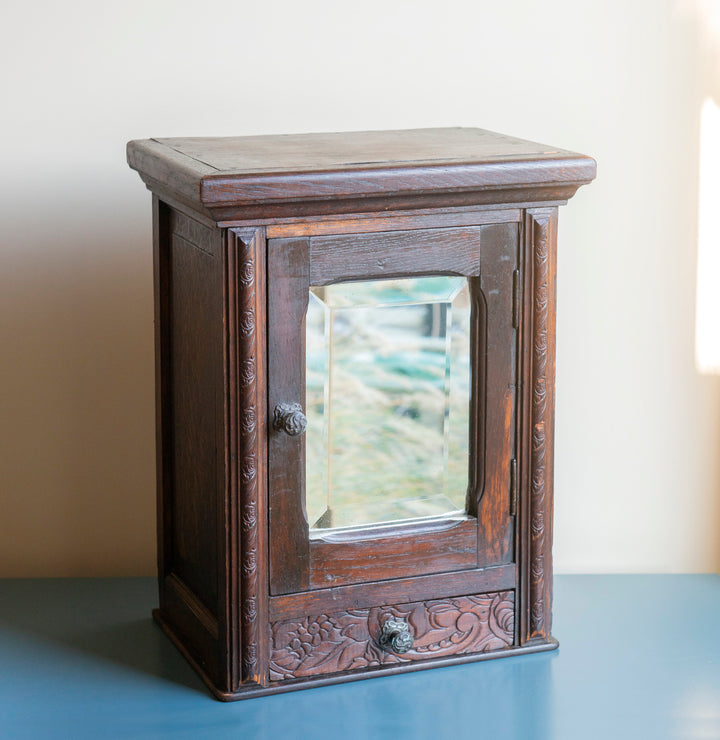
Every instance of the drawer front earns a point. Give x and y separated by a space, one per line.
350 640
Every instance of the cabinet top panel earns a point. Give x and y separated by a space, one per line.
340 151
285 175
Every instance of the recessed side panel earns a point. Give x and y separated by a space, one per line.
191 449
195 374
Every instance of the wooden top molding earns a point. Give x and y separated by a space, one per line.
248 177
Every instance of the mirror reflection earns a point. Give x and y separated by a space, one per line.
387 400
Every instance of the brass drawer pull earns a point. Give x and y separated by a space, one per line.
395 636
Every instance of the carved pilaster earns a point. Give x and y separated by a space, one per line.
540 237
246 373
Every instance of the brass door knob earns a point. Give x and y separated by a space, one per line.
289 418
395 636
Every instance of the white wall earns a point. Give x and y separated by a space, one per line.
638 430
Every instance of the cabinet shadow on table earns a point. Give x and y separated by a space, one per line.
90 617
101 628
141 646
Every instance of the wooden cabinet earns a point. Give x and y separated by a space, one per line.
355 369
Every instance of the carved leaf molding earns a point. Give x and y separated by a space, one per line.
243 246
342 641
538 492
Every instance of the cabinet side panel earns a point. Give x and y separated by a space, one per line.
195 377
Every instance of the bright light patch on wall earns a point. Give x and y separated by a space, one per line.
707 321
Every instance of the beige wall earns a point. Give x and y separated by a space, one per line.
638 430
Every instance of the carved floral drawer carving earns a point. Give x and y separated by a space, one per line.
346 641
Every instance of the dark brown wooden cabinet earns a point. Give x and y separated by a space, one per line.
355 394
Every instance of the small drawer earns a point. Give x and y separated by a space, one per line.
353 640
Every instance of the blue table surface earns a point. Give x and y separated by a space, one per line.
639 657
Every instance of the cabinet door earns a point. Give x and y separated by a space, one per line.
400 350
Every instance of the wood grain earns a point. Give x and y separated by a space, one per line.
351 184
190 435
399 556
379 593
344 151
498 395
288 292
230 214
390 222
268 177
196 372
395 253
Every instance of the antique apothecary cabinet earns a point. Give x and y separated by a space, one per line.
355 389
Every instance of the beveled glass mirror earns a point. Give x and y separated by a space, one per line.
387 400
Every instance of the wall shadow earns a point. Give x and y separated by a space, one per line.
77 430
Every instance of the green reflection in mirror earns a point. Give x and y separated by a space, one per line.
387 400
